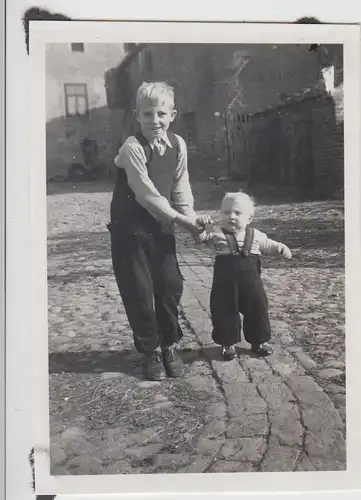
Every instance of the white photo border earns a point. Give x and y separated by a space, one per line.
167 32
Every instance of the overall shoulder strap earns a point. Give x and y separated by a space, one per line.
173 139
145 144
248 240
232 242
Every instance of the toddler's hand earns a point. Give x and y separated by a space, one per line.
286 252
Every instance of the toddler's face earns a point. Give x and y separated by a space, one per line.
235 216
155 118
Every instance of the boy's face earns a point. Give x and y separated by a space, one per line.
155 118
235 216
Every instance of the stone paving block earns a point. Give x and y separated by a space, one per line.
188 299
57 454
304 463
230 447
278 326
242 398
279 458
172 460
199 367
251 450
229 372
258 369
203 298
73 442
305 360
328 464
217 410
248 425
201 383
275 392
336 389
284 364
231 466
330 373
204 338
307 391
199 465
150 435
119 467
87 464
200 322
339 399
329 443
203 272
206 446
334 363
286 426
317 419
215 428
144 452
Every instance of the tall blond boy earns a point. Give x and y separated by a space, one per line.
152 193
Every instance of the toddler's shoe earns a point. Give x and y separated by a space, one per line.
262 350
228 352
153 366
173 362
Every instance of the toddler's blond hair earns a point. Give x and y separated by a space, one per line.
242 198
155 92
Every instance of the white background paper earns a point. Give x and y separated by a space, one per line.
19 439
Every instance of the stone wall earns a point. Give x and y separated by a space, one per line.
299 144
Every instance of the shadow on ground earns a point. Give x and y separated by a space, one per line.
126 361
316 239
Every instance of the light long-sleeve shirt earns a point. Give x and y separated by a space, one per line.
262 245
131 157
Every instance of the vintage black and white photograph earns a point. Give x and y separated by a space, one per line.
195 256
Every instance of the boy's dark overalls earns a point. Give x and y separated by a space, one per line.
237 287
144 255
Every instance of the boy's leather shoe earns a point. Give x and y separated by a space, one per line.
173 362
153 366
228 352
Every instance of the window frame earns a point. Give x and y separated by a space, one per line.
75 46
67 95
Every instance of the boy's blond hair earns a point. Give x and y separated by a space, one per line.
242 198
155 92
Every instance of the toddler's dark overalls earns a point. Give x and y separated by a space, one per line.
237 288
144 255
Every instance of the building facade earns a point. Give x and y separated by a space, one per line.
217 85
77 114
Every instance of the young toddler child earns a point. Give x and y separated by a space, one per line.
237 286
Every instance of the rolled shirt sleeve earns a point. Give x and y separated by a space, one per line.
266 245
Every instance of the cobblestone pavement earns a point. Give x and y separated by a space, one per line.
283 413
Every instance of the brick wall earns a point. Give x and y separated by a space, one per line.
299 144
328 147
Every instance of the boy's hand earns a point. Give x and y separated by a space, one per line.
189 223
204 220
285 252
